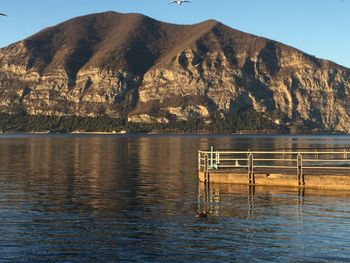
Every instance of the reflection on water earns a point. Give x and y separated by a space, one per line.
277 224
137 198
213 198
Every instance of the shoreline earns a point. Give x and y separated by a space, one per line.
176 133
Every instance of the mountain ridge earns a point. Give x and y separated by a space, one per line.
149 71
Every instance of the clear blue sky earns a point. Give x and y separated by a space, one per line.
318 27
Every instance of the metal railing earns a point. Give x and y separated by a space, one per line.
284 160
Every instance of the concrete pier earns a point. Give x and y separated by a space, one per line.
312 168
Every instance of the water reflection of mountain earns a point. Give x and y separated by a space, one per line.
131 197
135 170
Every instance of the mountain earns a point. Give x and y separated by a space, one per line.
132 66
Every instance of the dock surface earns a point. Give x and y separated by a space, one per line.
308 168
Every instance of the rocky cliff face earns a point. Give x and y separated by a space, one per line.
131 65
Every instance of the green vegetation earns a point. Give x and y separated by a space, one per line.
248 121
31 123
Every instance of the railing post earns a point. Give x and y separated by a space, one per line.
217 159
211 157
199 161
251 179
206 171
345 154
300 174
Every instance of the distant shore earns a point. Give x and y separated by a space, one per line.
174 132
98 132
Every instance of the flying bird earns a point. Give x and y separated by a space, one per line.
1 14
179 2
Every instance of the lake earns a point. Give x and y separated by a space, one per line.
135 198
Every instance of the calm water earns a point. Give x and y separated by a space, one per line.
135 199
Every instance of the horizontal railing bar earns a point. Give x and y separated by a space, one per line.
232 166
232 159
279 159
285 160
288 149
274 166
285 167
281 167
326 160
270 159
327 167
260 152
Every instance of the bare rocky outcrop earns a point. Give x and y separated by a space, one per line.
131 65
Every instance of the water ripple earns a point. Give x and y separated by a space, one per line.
136 199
